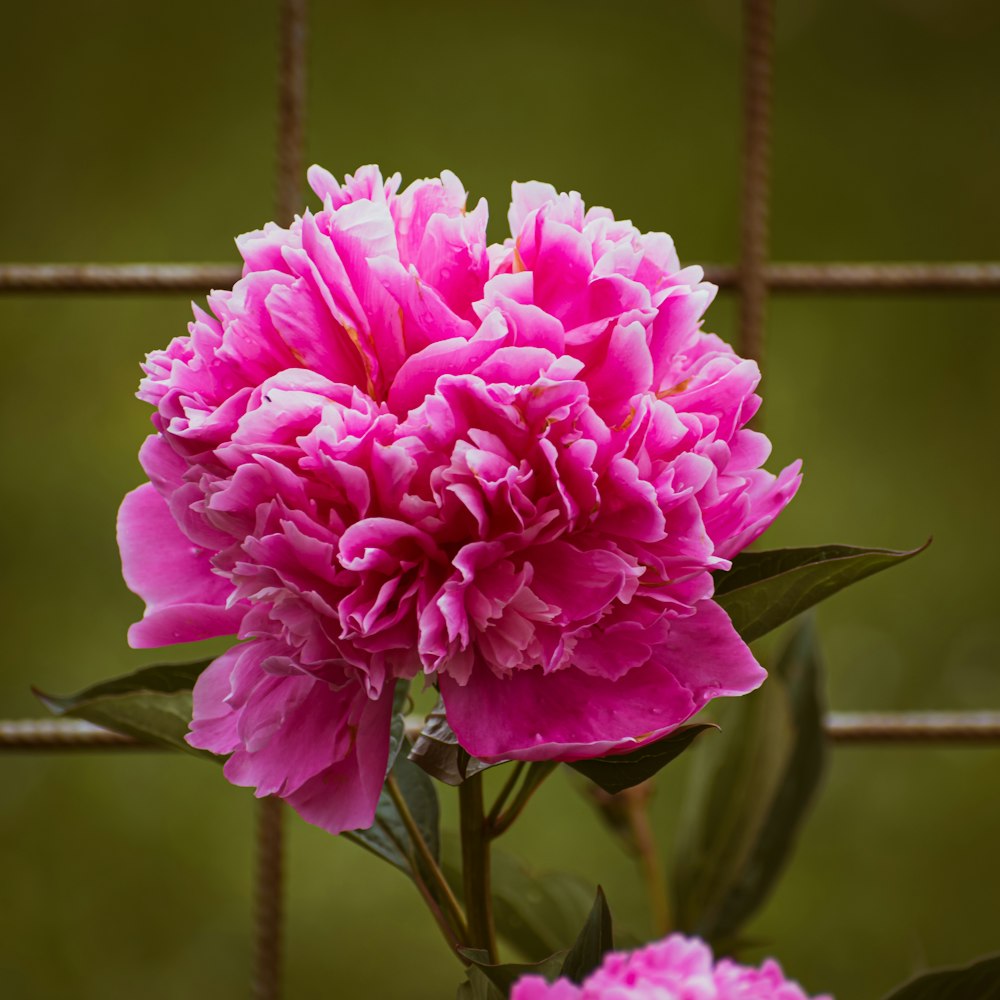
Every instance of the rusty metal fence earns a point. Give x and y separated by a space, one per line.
754 278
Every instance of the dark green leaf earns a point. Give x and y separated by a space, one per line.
596 938
978 981
387 837
616 772
397 730
437 751
165 677
478 987
751 790
537 914
765 589
152 704
502 977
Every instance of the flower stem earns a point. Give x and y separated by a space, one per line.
447 931
430 866
537 772
505 793
476 866
636 802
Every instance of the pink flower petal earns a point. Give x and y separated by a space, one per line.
391 447
570 715
322 747
185 600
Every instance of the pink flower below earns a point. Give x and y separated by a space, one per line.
392 449
677 968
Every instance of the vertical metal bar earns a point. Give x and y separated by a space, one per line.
291 109
758 53
269 876
268 897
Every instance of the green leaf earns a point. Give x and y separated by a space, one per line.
478 987
387 837
978 981
438 752
751 791
596 938
765 589
502 977
616 772
537 913
397 729
152 705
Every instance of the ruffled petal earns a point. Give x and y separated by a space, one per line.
321 746
185 600
390 447
571 715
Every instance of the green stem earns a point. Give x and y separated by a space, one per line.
476 866
636 801
444 924
447 931
505 793
537 773
429 864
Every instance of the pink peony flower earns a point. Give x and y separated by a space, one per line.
392 449
677 968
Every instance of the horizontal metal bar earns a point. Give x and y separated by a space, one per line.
885 277
64 734
781 277
914 727
99 278
841 727
869 277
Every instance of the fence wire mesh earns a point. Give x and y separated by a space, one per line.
754 278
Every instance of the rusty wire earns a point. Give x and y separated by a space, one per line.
63 734
108 278
268 900
839 277
969 728
755 196
290 140
885 277
787 277
291 109
914 727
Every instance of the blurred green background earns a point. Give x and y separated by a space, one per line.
146 132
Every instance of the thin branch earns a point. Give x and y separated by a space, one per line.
537 773
440 919
444 926
505 793
636 809
430 863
